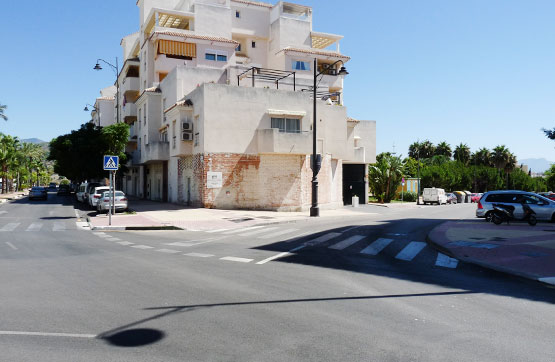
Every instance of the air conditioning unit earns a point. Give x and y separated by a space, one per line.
186 136
186 126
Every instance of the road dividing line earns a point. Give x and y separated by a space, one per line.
10 226
168 251
124 243
256 232
199 255
11 245
347 242
36 226
446 262
43 334
411 251
376 247
235 231
278 233
280 255
142 247
239 260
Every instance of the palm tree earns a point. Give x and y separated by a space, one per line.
443 149
384 177
462 153
8 149
414 150
510 166
500 157
482 157
427 149
2 115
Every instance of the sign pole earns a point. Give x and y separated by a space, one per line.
114 192
110 204
111 163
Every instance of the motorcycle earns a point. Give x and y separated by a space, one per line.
505 213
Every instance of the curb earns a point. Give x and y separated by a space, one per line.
549 281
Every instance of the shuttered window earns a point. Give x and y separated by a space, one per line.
171 47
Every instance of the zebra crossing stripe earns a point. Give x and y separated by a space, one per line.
256 232
411 251
36 226
347 242
58 226
278 233
376 247
125 243
10 226
168 251
142 247
322 239
217 231
199 255
239 260
235 231
446 262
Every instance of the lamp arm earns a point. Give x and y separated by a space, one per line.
331 65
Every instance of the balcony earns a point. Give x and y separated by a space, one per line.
130 88
132 135
155 152
273 141
180 148
129 112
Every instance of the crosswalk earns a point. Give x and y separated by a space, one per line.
38 226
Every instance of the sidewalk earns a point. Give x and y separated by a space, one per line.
518 249
153 215
13 196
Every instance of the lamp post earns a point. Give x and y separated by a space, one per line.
86 109
316 162
116 70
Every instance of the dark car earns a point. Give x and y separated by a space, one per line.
52 186
63 190
38 193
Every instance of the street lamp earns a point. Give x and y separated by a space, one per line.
116 70
86 109
316 162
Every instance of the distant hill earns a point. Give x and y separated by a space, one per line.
33 140
538 165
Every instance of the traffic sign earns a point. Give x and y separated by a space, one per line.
111 163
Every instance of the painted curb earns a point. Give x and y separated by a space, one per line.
514 272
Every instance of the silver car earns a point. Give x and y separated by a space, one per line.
542 206
104 202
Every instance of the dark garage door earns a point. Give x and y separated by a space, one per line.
353 183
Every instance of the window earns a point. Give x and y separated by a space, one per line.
210 56
253 44
140 115
237 14
145 115
287 125
301 65
222 58
238 49
216 55
164 135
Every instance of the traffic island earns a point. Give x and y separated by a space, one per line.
517 248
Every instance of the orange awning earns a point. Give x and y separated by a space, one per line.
177 48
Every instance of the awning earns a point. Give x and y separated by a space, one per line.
177 48
279 112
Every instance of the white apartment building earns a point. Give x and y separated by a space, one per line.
103 113
218 95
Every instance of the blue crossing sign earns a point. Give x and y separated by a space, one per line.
111 163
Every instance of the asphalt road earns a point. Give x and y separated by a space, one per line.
363 289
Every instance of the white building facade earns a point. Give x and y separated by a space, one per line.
218 96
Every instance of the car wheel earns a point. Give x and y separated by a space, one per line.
488 217
496 220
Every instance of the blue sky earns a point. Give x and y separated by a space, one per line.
473 71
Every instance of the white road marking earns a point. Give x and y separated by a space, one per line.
322 239
168 251
347 242
239 260
235 231
99 233
217 231
113 239
351 228
58 226
11 245
256 232
83 225
297 237
280 255
44 334
446 262
3 212
199 255
36 226
376 246
278 233
10 226
124 243
411 250
142 247
194 242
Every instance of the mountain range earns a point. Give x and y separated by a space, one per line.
33 140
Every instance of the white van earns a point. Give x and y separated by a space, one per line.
434 196
80 193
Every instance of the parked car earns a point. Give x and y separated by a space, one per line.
104 201
475 197
451 198
38 192
90 187
80 193
543 207
52 186
549 195
63 190
432 195
95 195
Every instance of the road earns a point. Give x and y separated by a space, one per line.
365 289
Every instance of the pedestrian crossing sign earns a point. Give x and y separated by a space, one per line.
111 163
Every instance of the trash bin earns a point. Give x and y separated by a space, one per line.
468 197
460 196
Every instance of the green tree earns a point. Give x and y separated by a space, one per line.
500 157
550 178
414 150
482 157
427 149
443 149
462 153
385 176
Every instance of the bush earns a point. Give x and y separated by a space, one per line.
64 182
409 196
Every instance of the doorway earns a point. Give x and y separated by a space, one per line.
353 183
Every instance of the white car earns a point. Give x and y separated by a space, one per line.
104 202
432 195
80 194
95 195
